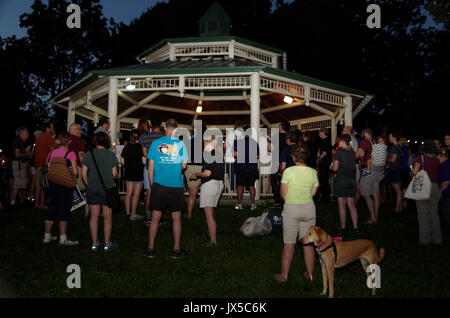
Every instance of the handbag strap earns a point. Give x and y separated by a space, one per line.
49 157
98 170
423 164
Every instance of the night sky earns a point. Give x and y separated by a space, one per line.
120 10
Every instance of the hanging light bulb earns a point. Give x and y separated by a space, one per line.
199 108
288 99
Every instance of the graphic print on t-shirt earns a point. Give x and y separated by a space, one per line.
170 150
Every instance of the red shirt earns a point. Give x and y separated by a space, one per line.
44 144
366 145
77 146
431 166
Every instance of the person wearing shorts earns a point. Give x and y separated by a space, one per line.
146 141
211 187
96 195
344 182
20 161
395 169
246 152
195 166
167 158
369 184
132 160
299 185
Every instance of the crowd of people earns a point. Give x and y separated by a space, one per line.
378 168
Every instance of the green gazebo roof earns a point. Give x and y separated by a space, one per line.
201 67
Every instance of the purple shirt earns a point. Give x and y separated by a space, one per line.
444 175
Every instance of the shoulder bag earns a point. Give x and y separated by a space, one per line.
112 194
420 186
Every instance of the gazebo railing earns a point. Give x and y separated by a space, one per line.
226 49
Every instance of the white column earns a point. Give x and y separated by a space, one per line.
348 111
255 119
112 109
172 57
96 119
333 130
231 50
70 114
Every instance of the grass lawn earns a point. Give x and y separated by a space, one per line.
237 267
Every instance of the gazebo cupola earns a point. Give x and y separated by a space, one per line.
214 42
215 22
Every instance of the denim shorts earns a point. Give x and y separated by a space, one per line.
146 180
395 176
133 182
96 195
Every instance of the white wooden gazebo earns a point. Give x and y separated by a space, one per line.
231 78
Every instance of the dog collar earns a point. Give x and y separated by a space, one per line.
327 248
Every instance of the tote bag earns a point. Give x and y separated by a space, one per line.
420 186
59 172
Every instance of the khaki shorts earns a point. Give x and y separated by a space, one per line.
370 185
297 219
20 174
190 170
210 193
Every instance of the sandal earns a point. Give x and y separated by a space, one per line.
307 277
369 221
280 278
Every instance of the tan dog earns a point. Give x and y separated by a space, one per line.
347 252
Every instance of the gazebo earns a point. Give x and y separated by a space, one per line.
216 77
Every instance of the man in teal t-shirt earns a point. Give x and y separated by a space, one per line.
168 154
167 158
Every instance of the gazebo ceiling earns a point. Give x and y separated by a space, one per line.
189 105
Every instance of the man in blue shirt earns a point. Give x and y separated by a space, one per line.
167 158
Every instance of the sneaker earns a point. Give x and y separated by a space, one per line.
149 253
96 246
68 243
46 241
110 246
366 173
136 217
238 206
179 254
148 222
253 207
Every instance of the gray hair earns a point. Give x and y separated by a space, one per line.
73 126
